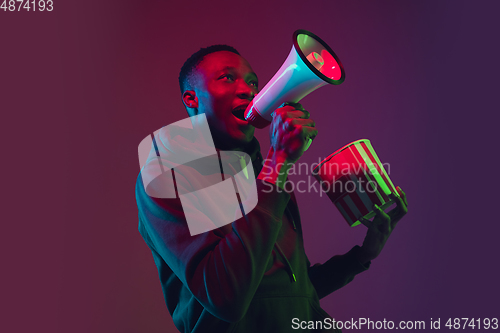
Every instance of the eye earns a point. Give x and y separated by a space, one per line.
228 77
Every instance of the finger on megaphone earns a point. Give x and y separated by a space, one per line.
302 121
282 115
299 107
291 123
298 114
307 131
295 105
291 107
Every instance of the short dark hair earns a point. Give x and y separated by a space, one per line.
193 61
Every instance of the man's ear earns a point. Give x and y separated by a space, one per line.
190 100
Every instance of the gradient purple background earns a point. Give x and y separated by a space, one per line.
83 85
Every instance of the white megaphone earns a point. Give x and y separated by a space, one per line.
311 64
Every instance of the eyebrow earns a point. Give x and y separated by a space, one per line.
230 67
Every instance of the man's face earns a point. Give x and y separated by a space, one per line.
225 86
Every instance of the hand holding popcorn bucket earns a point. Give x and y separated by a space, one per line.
354 179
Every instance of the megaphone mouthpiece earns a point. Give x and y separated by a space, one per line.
253 116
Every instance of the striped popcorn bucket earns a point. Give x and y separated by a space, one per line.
354 179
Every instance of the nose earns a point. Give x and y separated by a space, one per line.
245 91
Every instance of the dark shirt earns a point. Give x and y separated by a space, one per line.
248 276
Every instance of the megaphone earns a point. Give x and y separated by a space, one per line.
311 64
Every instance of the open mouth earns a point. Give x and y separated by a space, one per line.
239 112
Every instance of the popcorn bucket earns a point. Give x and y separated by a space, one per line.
354 179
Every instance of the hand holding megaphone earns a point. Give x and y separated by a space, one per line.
291 131
311 64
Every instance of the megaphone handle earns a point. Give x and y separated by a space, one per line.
308 144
